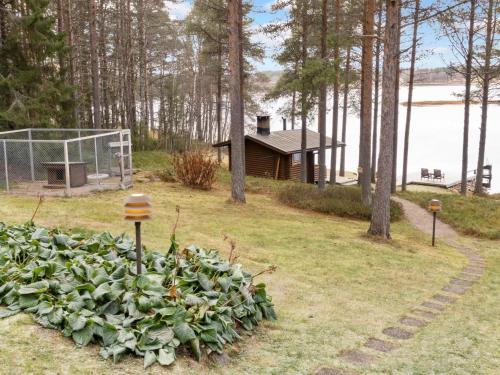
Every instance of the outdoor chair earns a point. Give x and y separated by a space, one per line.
438 175
424 174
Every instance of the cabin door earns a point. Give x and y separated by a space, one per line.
310 167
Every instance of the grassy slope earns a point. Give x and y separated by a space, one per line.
334 287
478 216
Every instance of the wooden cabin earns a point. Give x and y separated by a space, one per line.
278 154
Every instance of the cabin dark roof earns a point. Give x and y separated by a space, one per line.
286 141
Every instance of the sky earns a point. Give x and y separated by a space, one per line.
434 51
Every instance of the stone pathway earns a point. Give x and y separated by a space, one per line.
421 315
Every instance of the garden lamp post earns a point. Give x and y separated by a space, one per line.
434 207
138 209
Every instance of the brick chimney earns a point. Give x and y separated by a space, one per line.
263 125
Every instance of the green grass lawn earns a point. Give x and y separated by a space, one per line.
334 287
476 215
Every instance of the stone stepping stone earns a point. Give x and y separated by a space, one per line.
380 345
455 289
478 271
357 357
477 262
332 371
444 299
435 306
412 322
424 314
476 266
469 276
461 282
397 333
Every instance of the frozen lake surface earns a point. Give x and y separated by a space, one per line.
435 138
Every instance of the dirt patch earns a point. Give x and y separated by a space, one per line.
380 345
220 360
412 322
357 357
397 333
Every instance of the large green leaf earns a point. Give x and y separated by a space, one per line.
101 290
166 356
34 288
205 282
27 301
184 332
83 336
163 334
7 313
76 321
149 359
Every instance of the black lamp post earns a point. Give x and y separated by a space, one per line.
434 207
138 209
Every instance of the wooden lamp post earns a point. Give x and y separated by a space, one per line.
434 207
138 209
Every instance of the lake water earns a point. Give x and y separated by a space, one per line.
435 138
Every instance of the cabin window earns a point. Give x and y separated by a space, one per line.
296 158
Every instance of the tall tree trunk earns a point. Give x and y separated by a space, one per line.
366 93
142 73
345 110
380 221
394 179
129 84
376 98
467 97
303 99
335 109
486 77
105 87
219 99
3 26
60 29
322 99
197 103
294 97
96 98
416 15
237 131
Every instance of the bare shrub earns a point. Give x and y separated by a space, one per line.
196 169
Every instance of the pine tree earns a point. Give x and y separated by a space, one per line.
33 92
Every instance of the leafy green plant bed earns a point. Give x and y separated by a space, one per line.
86 286
342 201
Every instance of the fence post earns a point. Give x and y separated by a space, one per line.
130 157
121 161
67 176
97 178
6 166
32 166
80 144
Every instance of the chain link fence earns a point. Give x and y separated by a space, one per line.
65 161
